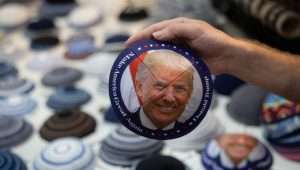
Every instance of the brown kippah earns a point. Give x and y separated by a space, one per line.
68 123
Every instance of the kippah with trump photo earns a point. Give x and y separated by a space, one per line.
159 89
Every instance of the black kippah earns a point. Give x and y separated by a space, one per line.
160 162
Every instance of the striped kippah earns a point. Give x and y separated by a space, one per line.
17 105
62 76
10 161
68 123
66 98
123 147
13 131
65 154
12 86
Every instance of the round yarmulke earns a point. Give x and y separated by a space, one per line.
85 16
236 152
160 162
7 69
68 98
68 123
17 105
115 42
226 84
10 161
131 13
41 26
246 104
123 147
62 76
19 12
45 62
44 42
80 46
56 8
13 131
15 86
65 154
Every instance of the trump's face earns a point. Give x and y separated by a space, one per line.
237 146
165 93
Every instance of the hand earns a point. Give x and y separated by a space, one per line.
211 44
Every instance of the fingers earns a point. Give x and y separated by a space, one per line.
148 32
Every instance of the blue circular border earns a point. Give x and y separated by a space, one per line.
134 51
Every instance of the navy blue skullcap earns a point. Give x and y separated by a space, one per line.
132 13
10 161
15 86
13 131
65 154
225 84
17 105
246 104
123 147
62 76
111 116
41 25
44 42
115 42
160 162
68 123
7 69
56 8
66 98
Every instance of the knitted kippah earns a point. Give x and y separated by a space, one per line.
68 98
17 105
68 123
12 86
65 154
10 161
281 125
62 76
13 131
123 147
246 104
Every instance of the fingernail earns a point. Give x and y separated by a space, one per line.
157 35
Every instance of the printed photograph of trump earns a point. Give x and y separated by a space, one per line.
161 89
